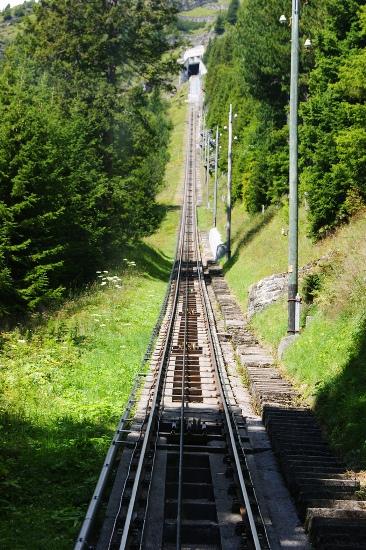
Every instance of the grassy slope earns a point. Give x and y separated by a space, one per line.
328 362
64 385
200 11
207 10
10 28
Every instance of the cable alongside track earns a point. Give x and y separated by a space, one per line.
182 480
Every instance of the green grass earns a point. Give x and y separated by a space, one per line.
258 247
9 29
64 384
189 27
200 11
327 363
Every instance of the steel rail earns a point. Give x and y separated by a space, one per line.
185 306
216 359
187 249
156 442
182 412
184 221
154 405
98 494
216 352
152 470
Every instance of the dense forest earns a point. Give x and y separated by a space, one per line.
249 66
83 142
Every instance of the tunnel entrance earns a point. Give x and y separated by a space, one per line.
193 69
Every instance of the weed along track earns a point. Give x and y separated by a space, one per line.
180 475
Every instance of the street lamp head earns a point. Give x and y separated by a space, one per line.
283 19
308 45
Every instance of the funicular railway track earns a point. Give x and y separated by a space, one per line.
182 480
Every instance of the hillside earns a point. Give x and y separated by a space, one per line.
10 20
249 67
65 382
327 362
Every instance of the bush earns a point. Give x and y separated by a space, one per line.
311 286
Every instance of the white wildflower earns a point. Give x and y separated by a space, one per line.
103 283
98 272
21 341
102 325
105 271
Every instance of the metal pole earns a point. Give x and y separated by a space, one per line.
215 188
208 166
229 164
203 130
293 179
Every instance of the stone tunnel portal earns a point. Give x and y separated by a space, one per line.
193 69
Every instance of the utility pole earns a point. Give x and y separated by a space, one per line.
216 174
293 175
229 166
208 166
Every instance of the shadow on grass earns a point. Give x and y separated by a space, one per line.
150 261
48 476
249 236
341 406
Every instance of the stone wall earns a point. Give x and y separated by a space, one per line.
270 289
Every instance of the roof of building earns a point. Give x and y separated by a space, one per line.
197 51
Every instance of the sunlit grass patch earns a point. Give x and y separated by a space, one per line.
327 362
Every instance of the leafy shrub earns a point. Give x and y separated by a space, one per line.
311 286
186 25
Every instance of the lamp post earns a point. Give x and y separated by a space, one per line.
293 254
216 177
229 178
207 160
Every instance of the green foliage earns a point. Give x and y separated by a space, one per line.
244 65
7 13
333 135
311 286
19 11
220 24
83 140
232 12
186 25
64 381
249 66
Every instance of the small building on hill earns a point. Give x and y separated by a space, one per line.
192 62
